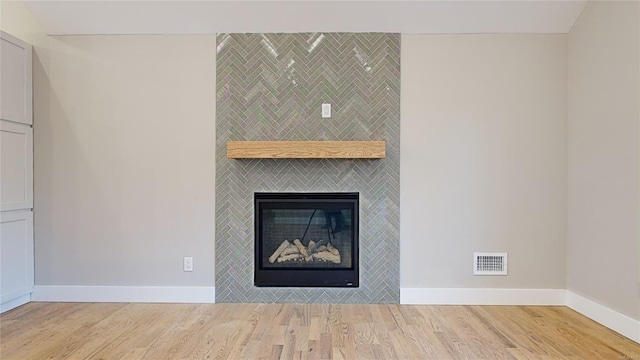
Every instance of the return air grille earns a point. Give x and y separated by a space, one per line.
490 264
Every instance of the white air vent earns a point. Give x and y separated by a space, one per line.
489 263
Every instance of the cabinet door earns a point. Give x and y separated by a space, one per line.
16 254
16 166
15 80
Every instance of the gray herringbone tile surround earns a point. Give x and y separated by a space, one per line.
270 87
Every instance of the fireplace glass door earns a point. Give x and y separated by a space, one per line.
306 239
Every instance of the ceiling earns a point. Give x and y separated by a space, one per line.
210 17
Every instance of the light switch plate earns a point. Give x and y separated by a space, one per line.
326 110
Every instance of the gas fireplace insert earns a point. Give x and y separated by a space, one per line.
306 239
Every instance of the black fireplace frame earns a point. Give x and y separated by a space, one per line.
307 277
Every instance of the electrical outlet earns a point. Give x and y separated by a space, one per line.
188 263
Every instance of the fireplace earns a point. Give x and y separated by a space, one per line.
306 239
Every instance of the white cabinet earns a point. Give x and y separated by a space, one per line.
16 254
15 84
16 173
16 166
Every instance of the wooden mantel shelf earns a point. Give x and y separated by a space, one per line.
305 149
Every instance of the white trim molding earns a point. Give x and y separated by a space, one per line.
612 319
12 304
462 296
151 294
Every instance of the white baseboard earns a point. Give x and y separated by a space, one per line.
612 319
151 294
461 296
12 304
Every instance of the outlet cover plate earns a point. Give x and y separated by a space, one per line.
188 263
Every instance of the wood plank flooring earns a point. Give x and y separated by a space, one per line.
304 331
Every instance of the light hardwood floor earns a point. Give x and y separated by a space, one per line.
302 331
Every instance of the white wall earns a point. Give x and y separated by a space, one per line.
124 155
483 159
604 156
124 161
18 21
125 146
